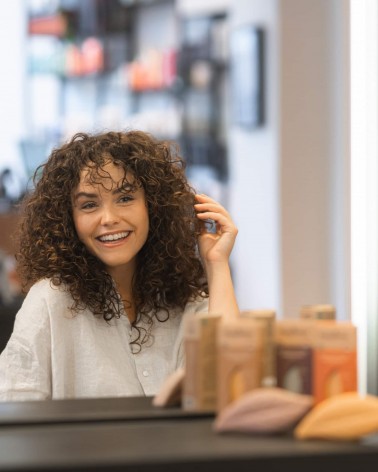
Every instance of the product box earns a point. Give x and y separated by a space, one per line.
335 359
294 352
199 386
240 355
318 312
267 318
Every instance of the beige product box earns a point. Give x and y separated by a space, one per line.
240 358
294 350
335 359
199 386
267 318
318 312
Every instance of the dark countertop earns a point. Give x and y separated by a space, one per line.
88 410
169 443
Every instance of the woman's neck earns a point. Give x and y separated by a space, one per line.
129 307
123 282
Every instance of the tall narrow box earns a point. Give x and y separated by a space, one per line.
200 382
240 354
267 318
294 340
335 359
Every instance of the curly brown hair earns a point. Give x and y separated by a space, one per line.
169 271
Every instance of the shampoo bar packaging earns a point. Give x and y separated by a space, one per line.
240 354
335 359
199 388
294 339
267 318
318 312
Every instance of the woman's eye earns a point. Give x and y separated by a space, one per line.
125 198
88 205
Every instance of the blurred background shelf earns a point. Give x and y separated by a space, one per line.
109 64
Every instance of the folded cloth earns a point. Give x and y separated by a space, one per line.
346 416
264 410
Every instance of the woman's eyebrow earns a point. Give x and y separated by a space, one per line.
85 195
121 189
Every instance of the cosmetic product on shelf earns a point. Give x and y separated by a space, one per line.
267 318
200 383
240 359
294 341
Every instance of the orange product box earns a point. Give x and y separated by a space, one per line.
335 359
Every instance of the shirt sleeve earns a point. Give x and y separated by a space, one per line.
25 363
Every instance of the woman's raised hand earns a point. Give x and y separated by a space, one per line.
215 247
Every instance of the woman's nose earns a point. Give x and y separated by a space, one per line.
109 215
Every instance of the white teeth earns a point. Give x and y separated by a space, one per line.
114 237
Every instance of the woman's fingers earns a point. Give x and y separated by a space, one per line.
218 217
207 204
215 246
209 209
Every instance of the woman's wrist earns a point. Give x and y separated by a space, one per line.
215 266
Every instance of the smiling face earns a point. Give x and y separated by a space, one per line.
111 218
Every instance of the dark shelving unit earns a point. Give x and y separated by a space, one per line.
188 93
202 70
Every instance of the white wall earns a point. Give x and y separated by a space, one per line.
340 198
254 176
313 153
12 87
290 181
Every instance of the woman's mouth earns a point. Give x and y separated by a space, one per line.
114 238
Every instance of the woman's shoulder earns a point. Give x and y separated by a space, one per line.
45 293
42 302
47 289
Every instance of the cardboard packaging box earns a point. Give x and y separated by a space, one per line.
200 382
294 341
335 359
240 358
267 318
318 312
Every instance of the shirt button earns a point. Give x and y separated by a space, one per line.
145 373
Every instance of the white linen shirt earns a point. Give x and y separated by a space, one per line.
53 354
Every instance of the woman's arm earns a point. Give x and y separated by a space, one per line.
215 249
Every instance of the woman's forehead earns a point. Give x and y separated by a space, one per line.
107 175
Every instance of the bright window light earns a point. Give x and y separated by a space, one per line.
364 155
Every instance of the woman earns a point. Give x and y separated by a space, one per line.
114 250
